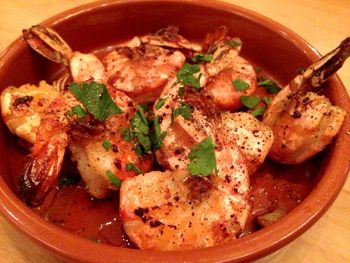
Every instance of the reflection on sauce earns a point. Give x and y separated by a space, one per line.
74 210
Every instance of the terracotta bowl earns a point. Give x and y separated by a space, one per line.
94 26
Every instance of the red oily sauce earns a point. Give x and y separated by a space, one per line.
272 186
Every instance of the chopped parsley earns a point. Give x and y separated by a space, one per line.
158 135
240 85
250 101
107 145
202 58
160 103
127 134
202 158
95 98
78 111
266 100
181 91
144 133
259 111
131 166
144 106
233 43
186 75
184 110
269 85
115 181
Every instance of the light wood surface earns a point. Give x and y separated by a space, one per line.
322 23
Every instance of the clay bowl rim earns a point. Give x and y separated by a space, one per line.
248 248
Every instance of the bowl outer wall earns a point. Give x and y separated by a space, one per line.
247 248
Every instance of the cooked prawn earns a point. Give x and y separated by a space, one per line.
174 210
22 107
304 124
227 66
140 70
253 138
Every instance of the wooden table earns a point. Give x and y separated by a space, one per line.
322 23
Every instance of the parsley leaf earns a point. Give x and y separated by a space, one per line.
127 134
185 75
202 58
144 106
78 111
144 141
259 111
184 110
158 136
115 181
131 166
95 98
181 91
266 100
269 85
233 43
240 85
139 122
106 144
160 103
250 101
202 158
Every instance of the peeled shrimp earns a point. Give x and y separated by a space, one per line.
174 210
22 107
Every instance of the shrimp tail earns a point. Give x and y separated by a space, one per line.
48 43
40 174
312 77
319 72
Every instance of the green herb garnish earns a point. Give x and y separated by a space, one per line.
131 166
269 85
158 135
184 110
250 101
144 106
202 158
259 111
115 181
240 85
139 122
106 144
266 100
78 111
181 91
160 103
202 58
95 98
186 75
233 43
127 134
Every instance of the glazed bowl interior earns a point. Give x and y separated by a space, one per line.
99 25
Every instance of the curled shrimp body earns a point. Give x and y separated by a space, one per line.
22 107
225 68
305 123
173 210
